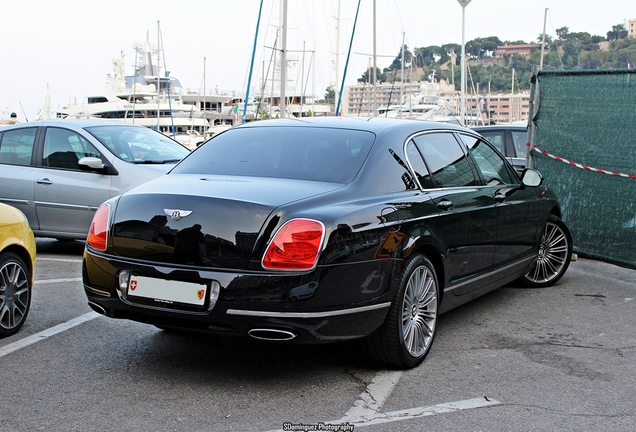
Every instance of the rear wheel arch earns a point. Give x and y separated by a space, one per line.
435 257
23 254
406 336
556 211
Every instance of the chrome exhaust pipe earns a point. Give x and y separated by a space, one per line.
271 334
97 308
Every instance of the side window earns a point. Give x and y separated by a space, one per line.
491 164
496 138
417 163
520 142
446 160
16 146
64 148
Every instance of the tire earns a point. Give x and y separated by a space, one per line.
553 259
15 293
406 336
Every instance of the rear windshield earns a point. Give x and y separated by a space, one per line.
303 153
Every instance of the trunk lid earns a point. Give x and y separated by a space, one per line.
212 221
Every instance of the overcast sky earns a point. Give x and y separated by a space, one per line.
68 45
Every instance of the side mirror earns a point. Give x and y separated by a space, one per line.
91 163
531 177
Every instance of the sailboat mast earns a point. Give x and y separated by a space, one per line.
302 75
375 63
545 16
344 74
158 78
337 55
249 80
402 79
283 62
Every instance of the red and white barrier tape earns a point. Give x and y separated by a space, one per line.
578 165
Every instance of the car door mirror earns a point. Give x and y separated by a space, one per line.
91 163
531 177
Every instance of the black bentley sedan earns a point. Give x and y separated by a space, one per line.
325 229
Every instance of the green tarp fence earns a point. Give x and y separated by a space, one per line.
585 138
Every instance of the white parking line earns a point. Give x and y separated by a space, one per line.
350 423
365 410
8 349
48 281
374 396
78 259
418 412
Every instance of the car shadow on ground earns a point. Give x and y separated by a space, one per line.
61 247
251 358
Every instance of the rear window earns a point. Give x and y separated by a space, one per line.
496 138
303 153
520 141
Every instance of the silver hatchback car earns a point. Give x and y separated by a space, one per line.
58 172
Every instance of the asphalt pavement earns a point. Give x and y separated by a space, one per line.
557 359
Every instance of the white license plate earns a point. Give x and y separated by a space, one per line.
167 291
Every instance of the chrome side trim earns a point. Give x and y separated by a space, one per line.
307 314
96 291
514 264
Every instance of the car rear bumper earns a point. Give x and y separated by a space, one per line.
311 307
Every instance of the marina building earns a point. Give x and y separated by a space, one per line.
436 101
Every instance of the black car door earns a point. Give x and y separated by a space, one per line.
467 215
518 225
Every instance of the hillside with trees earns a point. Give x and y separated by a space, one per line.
568 51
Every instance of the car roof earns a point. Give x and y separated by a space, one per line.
72 123
372 124
501 126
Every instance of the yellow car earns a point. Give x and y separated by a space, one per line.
17 267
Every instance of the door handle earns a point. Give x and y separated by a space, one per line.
499 197
44 181
445 205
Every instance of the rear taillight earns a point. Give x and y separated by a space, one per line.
295 246
98 232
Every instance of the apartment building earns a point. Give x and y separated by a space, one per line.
363 101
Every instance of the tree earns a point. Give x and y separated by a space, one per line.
563 33
426 56
566 50
367 76
618 32
482 47
449 49
548 39
330 95
595 59
397 62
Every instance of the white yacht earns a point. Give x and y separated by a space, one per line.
7 118
145 98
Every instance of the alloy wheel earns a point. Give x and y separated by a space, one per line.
553 256
15 296
419 311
